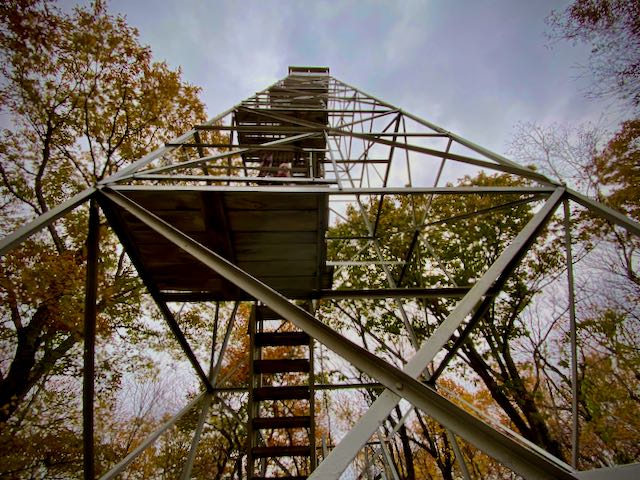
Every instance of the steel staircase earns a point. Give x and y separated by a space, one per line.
281 399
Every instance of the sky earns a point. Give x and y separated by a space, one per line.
474 67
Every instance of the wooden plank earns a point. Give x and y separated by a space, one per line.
301 421
323 221
151 237
301 268
264 221
275 236
217 222
185 220
154 258
297 284
285 451
266 201
162 200
167 266
279 339
282 393
170 282
281 365
327 279
180 271
290 251
249 239
199 281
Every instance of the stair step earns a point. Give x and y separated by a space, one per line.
276 339
283 451
281 366
294 477
281 393
302 421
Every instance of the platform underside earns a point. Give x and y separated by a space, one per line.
277 237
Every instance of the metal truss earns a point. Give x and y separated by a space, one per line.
365 151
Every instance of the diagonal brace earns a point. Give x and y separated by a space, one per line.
524 460
344 453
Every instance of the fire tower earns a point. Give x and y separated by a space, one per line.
238 210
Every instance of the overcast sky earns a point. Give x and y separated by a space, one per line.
475 67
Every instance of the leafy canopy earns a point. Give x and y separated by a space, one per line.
81 97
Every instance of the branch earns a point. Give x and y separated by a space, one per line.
46 157
13 191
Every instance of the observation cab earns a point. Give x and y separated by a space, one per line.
270 116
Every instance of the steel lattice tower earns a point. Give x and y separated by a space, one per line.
238 209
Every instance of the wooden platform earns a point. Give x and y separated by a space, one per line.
277 237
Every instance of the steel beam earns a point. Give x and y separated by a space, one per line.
483 211
317 386
343 454
182 340
458 139
334 191
147 159
198 161
445 292
14 239
300 129
602 210
213 379
124 463
386 456
219 178
458 453
503 165
609 213
418 231
378 250
166 312
621 472
524 460
516 170
575 426
90 314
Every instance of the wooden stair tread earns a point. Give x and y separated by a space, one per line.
295 388
275 339
281 365
291 477
302 421
282 451
281 393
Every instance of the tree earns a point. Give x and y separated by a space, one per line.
612 29
607 286
82 98
518 353
602 166
455 250
617 169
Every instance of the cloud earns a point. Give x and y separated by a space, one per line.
476 67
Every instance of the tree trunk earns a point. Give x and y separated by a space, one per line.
25 371
532 426
406 449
